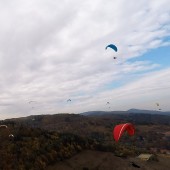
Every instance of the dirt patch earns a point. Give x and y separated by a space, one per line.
95 160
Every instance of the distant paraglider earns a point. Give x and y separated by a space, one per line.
3 126
158 106
32 104
108 103
121 128
69 100
11 136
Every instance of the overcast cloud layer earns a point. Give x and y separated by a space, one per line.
51 52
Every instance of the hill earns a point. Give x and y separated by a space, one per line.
136 111
42 140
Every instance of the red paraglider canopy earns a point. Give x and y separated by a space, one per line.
121 128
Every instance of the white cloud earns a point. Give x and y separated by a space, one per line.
144 93
52 51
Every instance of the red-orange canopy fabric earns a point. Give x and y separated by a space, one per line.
121 128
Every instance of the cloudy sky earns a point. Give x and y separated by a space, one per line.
51 52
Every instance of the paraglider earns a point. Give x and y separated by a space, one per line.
112 46
32 104
121 128
3 126
158 106
69 100
11 136
108 103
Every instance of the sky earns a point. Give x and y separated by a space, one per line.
51 52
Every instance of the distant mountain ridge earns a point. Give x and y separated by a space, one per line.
100 113
148 111
144 111
135 111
